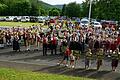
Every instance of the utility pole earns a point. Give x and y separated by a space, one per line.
90 11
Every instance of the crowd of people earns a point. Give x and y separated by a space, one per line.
71 39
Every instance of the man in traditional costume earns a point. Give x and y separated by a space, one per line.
100 56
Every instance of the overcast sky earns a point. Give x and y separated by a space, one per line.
54 2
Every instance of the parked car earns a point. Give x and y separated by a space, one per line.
41 19
84 22
9 18
25 19
97 24
2 19
33 19
17 18
110 24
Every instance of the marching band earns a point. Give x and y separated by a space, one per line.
97 41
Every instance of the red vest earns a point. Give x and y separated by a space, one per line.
67 52
118 41
54 41
44 40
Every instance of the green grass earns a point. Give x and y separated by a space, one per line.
21 24
10 74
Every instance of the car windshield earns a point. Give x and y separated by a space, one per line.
84 22
96 23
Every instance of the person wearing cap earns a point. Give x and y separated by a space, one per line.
115 58
100 56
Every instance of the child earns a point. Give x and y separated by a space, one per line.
66 57
72 60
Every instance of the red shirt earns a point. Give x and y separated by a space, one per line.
44 40
67 52
54 41
113 46
118 41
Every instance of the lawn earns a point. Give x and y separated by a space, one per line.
21 24
10 74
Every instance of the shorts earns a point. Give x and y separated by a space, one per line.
66 58
72 60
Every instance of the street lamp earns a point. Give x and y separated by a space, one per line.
90 11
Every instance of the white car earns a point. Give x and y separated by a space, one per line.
41 19
25 19
9 18
84 22
97 24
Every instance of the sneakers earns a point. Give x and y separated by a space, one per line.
73 66
66 65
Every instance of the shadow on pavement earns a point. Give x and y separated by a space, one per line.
81 72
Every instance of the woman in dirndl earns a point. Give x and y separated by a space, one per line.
16 45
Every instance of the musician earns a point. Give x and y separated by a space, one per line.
100 56
64 44
16 45
54 44
28 39
1 39
45 43
88 57
38 40
115 57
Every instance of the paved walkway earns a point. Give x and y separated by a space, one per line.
35 62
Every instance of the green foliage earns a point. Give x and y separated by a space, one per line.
23 8
3 8
54 12
72 10
102 9
63 10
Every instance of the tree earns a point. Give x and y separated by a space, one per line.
54 12
63 10
72 10
21 8
102 9
3 9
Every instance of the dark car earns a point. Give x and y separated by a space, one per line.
33 19
110 24
52 21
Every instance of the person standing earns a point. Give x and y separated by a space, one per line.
115 58
100 56
16 45
54 44
88 57
45 43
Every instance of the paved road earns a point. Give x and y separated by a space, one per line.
34 61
